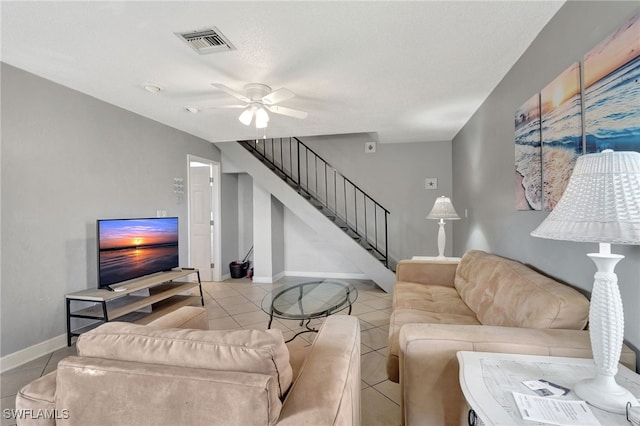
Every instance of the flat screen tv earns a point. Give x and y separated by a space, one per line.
132 248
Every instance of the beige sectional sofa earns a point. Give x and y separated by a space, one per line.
483 303
128 374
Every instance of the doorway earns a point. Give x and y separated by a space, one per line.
204 217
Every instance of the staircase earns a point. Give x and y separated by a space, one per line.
353 221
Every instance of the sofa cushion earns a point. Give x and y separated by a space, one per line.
250 351
504 292
403 316
430 298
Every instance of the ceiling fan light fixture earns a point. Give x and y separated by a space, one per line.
246 116
262 118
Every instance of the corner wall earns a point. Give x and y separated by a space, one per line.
483 161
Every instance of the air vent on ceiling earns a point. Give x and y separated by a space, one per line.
205 41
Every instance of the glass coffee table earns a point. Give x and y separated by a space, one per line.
309 300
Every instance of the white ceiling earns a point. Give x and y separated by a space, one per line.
399 71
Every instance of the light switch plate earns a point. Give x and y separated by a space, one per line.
431 183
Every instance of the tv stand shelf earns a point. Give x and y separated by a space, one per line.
165 294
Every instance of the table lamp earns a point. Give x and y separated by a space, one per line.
442 209
602 205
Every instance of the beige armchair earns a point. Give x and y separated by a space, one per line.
127 374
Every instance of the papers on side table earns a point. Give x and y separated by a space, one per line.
554 411
489 382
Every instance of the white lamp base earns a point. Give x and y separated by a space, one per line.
606 330
603 392
442 239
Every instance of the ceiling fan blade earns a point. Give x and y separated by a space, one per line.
225 106
278 96
232 92
295 113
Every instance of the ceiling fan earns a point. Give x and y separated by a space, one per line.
258 99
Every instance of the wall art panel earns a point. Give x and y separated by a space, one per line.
612 91
561 122
528 140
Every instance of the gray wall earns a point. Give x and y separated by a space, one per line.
245 215
229 218
394 176
483 161
277 236
305 251
67 160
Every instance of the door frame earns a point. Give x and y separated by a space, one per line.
215 208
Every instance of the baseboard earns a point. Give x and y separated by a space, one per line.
334 275
225 277
25 355
268 279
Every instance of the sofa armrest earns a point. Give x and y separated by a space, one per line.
434 272
192 317
429 373
327 390
38 396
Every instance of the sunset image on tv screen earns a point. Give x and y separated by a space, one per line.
130 248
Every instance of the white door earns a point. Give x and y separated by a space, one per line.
203 218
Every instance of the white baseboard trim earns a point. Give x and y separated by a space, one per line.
267 279
334 275
25 355
225 277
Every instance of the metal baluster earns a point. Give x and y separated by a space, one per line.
290 159
375 228
308 167
355 205
298 162
364 200
344 191
386 242
335 193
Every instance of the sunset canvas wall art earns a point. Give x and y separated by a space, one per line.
528 139
612 91
561 122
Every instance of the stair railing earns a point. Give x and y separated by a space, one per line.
357 213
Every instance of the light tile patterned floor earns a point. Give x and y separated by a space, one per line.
235 304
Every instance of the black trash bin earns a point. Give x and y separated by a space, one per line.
238 269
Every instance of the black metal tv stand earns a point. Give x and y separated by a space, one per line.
162 294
